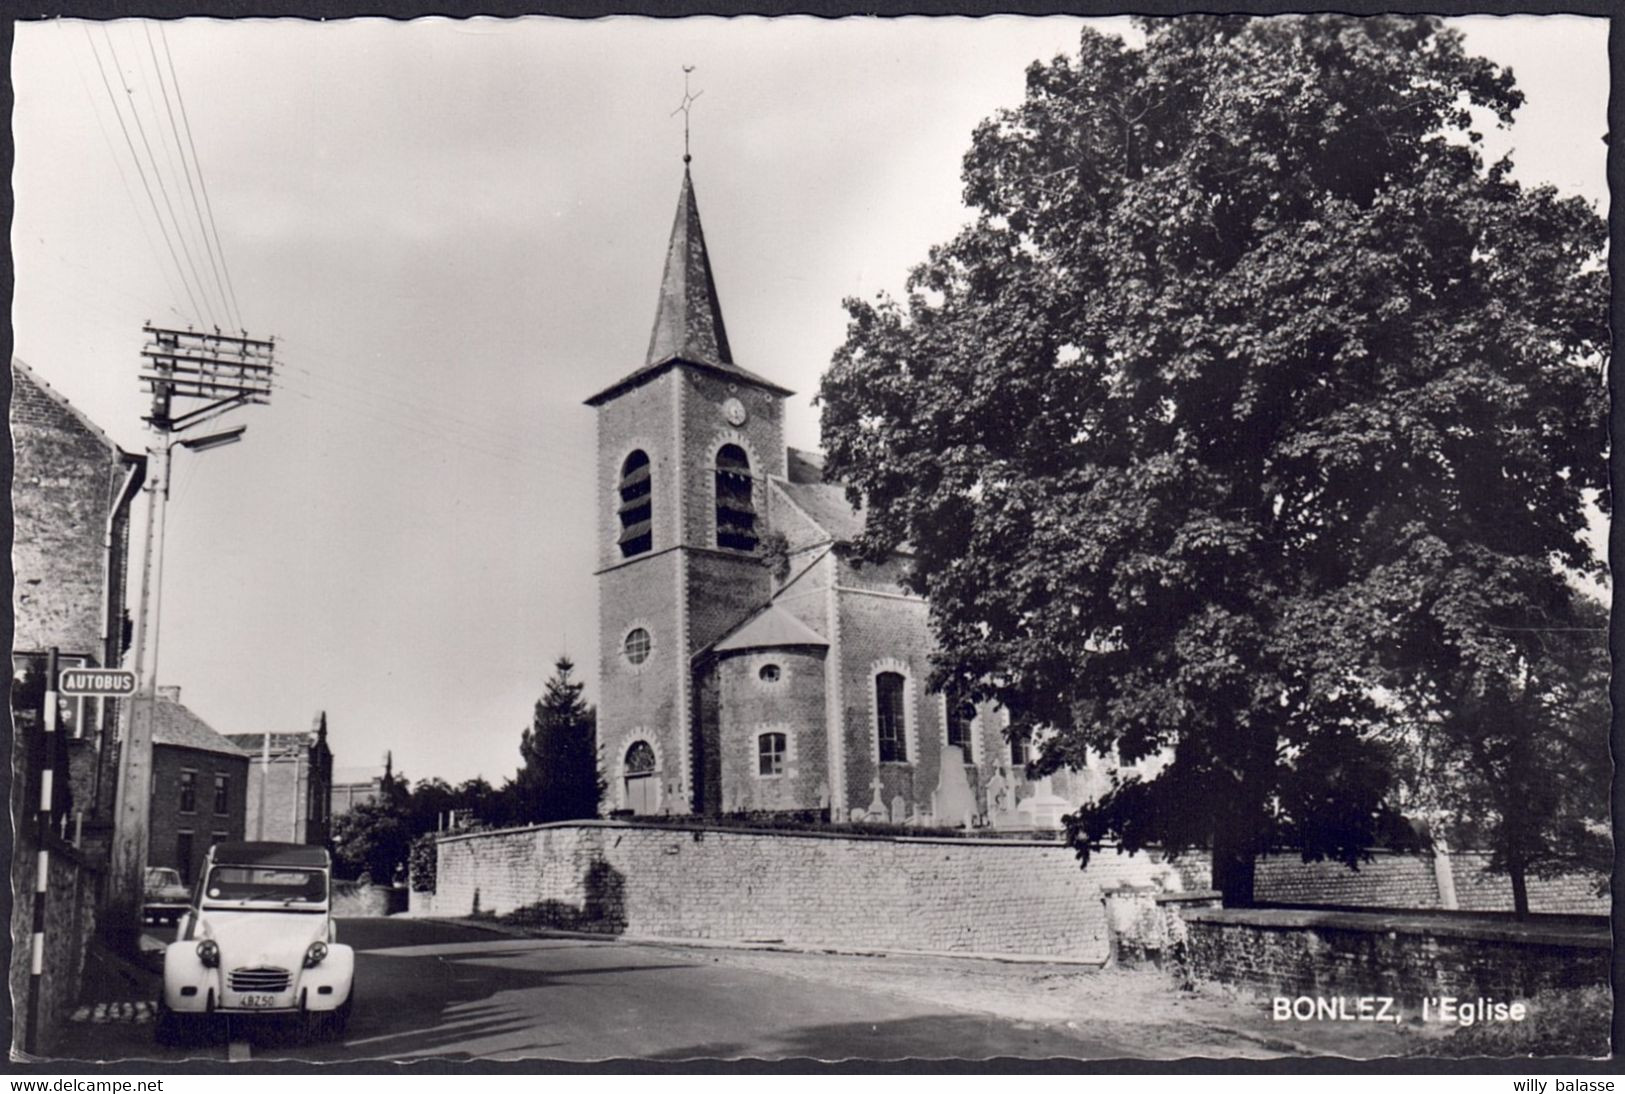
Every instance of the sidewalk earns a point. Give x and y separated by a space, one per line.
1141 1007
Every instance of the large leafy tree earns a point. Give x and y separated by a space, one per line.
1519 761
1249 399
559 779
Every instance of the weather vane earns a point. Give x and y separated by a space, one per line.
684 107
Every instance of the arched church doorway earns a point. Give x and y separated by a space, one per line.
642 792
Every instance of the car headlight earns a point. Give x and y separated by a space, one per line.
208 952
314 955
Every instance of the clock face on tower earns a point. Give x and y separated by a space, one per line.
734 411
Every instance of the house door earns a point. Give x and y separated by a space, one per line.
642 790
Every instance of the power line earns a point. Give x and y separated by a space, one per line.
136 159
436 414
377 414
197 207
124 179
202 182
162 189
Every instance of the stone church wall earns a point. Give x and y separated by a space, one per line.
964 896
794 706
879 632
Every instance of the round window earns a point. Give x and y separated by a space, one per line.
637 646
768 674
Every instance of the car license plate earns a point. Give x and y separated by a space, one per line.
257 1000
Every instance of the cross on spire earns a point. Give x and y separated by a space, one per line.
684 107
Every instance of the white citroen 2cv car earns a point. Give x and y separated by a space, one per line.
258 939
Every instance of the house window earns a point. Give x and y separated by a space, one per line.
768 674
890 717
222 797
189 792
637 645
641 788
637 505
1021 753
183 855
961 716
770 754
736 515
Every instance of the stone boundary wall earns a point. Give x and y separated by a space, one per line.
894 892
1406 880
70 922
1277 951
901 893
1477 890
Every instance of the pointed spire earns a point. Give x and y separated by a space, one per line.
688 319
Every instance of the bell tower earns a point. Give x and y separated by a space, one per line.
686 443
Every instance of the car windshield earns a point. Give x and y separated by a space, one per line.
267 883
158 877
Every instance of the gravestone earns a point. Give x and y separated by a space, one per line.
899 810
1045 808
1001 801
877 805
953 797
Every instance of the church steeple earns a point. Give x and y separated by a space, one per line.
688 317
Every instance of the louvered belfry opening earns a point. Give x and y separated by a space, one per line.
637 505
736 512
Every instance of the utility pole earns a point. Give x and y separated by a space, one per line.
209 374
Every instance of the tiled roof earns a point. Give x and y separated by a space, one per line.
173 724
825 505
768 628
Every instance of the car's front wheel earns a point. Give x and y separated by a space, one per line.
328 1025
173 1030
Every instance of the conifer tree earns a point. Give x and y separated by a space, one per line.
559 779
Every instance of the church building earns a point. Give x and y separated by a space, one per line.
746 664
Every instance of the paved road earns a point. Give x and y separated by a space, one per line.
428 990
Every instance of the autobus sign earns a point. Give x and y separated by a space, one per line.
96 682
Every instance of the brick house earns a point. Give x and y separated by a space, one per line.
71 492
199 787
746 663
290 795
353 786
71 488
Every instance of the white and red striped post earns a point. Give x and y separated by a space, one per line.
42 833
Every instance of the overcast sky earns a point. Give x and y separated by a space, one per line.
455 230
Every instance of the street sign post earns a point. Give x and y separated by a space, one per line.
114 682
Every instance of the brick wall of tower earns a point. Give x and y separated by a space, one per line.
642 418
641 701
705 430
